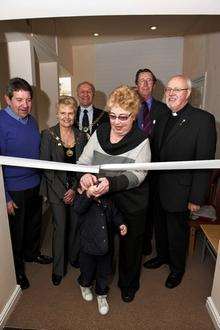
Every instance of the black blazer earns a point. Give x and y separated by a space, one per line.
192 138
95 220
158 108
53 182
99 117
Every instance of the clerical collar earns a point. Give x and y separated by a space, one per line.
178 113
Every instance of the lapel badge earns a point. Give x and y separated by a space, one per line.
182 122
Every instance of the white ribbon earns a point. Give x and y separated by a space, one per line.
43 164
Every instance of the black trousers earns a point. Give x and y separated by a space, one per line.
65 237
25 226
171 235
96 268
130 251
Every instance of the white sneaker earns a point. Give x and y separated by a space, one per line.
103 306
86 293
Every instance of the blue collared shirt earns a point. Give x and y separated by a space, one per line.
11 113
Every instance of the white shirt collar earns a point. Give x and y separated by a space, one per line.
89 108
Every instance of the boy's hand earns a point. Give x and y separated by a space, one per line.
123 230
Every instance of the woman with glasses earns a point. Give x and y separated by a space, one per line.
121 142
62 143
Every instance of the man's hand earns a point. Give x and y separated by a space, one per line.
11 207
193 207
69 196
87 180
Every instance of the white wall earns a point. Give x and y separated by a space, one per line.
110 64
56 8
20 60
117 63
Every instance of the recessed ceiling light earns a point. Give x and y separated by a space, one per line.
153 27
96 34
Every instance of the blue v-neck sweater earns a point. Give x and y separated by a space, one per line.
19 140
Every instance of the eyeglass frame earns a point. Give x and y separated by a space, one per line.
144 81
114 117
175 89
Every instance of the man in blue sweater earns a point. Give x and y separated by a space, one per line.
19 137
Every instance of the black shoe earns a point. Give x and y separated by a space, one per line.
127 295
75 264
56 279
22 280
173 280
147 248
41 259
154 263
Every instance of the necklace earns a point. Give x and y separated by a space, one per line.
68 151
86 129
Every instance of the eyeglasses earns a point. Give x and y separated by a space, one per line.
120 117
175 89
143 81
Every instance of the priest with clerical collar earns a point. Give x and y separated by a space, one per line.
184 133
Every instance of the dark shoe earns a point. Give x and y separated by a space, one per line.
56 279
173 280
147 248
75 264
154 263
127 295
41 259
22 280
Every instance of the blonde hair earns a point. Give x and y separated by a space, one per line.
67 100
124 97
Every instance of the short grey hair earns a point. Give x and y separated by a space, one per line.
86 83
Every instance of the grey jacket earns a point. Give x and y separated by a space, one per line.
53 183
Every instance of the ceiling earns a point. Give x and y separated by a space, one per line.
116 28
112 28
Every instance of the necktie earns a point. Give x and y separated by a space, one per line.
147 122
85 121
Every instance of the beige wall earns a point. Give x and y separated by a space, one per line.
216 284
4 71
201 54
7 274
83 65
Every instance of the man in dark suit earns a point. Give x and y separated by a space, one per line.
149 113
88 118
151 109
184 133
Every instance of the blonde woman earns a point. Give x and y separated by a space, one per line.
120 141
62 143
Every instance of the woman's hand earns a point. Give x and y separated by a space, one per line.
87 180
102 187
69 196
